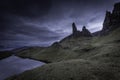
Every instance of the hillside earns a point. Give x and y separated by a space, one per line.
95 61
71 47
79 57
74 48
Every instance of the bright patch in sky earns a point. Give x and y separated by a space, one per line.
93 27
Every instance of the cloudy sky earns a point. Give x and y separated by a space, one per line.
42 22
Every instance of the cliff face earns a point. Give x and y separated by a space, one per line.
107 21
112 20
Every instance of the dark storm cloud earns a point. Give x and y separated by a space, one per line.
41 33
79 11
29 8
41 22
27 34
22 8
14 16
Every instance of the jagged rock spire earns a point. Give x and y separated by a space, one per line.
116 9
107 21
112 20
74 28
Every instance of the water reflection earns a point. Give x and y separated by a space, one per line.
15 65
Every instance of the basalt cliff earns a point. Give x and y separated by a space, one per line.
112 20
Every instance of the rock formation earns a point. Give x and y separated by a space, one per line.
107 21
112 20
74 28
116 10
75 32
84 33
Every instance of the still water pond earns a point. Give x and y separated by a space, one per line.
15 65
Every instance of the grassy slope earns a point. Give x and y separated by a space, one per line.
75 48
69 49
95 58
71 70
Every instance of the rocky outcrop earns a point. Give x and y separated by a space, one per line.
115 17
107 21
84 33
74 28
116 10
112 20
75 32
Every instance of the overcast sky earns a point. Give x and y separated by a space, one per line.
42 22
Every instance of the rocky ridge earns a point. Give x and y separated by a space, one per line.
112 20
